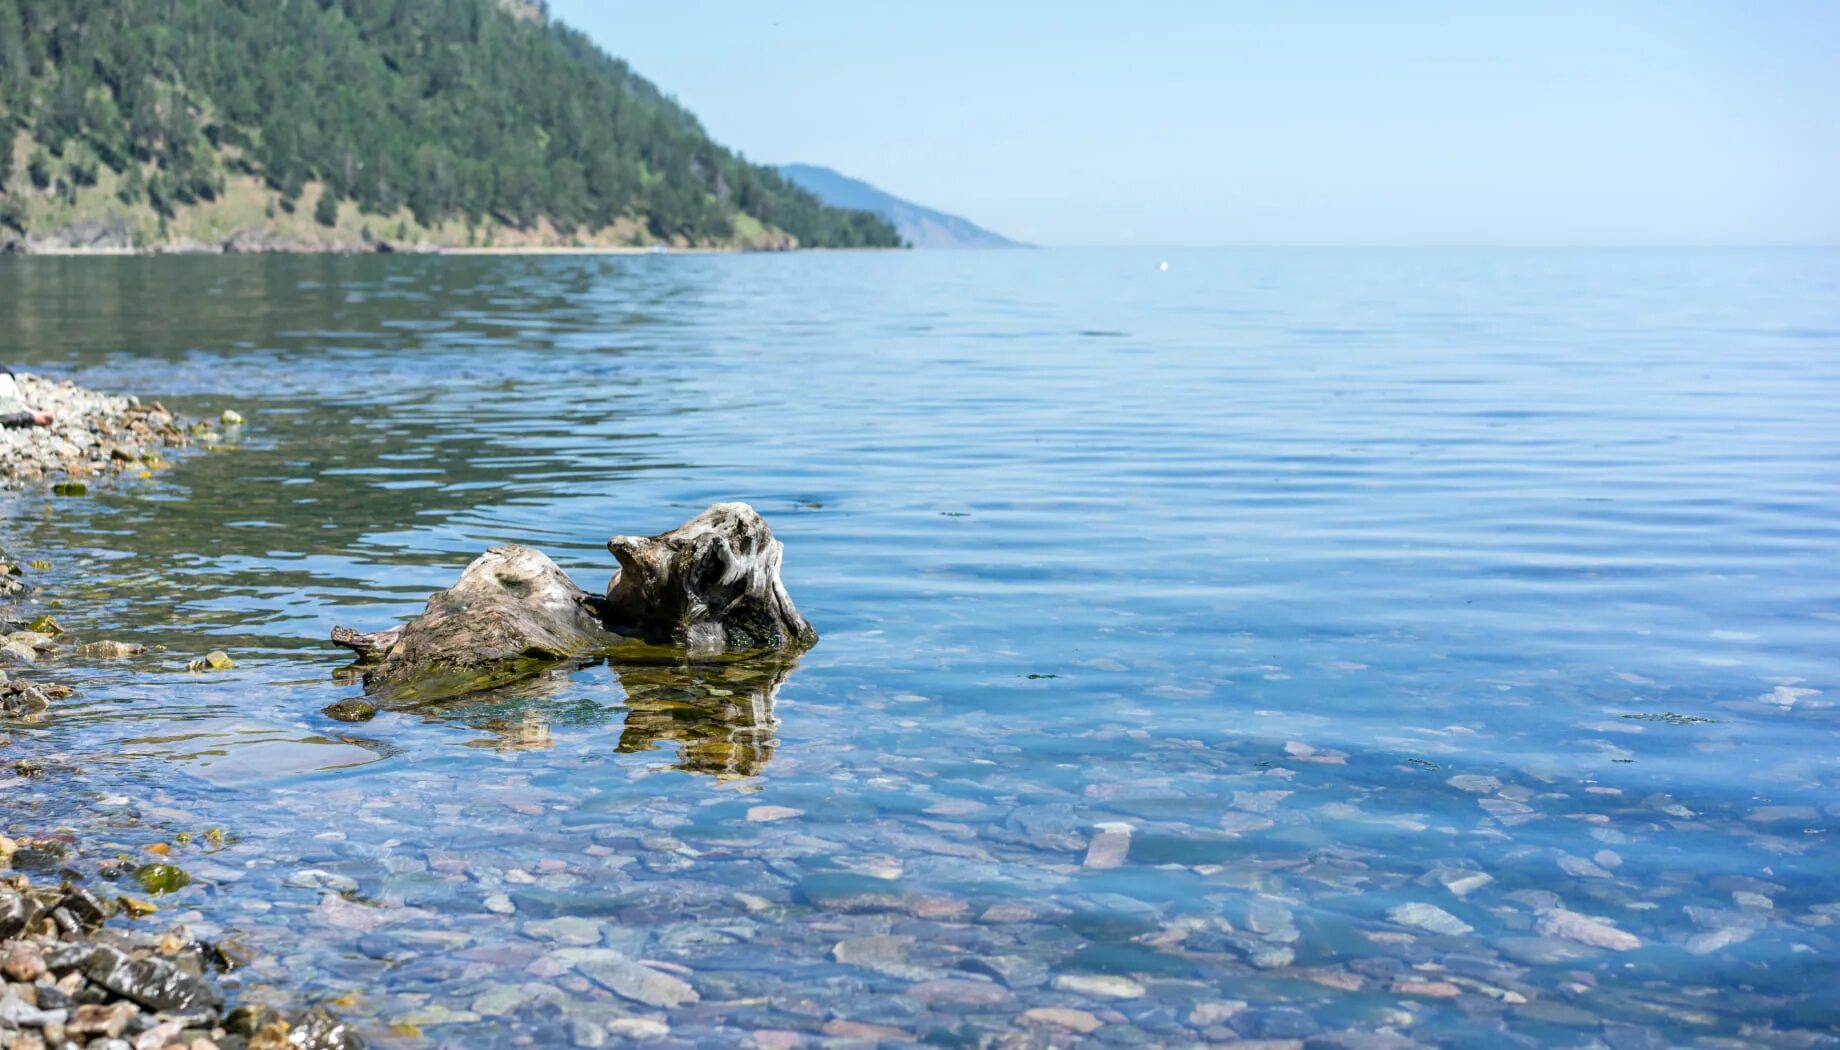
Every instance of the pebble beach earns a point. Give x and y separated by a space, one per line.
95 435
90 954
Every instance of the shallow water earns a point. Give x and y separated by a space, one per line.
1187 627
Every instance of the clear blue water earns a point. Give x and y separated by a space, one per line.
1333 579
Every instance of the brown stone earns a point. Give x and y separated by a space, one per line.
1062 1017
957 990
881 1033
106 1021
1427 989
23 963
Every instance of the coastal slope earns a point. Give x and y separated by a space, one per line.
918 225
315 125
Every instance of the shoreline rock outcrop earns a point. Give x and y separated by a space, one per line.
94 435
100 234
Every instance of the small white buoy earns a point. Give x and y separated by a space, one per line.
1163 266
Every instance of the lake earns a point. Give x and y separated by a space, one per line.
1281 643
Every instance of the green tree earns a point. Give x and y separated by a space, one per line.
160 193
326 212
82 164
39 167
451 107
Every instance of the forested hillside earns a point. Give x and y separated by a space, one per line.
448 121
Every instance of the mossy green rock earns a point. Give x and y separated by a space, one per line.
215 660
351 711
157 879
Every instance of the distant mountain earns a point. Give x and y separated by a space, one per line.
919 226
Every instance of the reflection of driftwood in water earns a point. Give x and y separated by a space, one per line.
718 714
528 731
519 716
708 588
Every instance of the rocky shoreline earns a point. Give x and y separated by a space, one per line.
114 236
75 976
84 961
95 435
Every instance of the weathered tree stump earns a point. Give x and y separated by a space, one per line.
708 587
511 612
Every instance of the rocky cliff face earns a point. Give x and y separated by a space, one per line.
524 10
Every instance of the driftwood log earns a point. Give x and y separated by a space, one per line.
512 612
710 587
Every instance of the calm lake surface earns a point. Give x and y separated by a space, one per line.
1289 642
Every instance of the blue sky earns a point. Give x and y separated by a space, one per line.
1376 122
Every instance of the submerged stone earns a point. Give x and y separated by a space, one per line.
350 710
1273 1022
958 990
157 879
853 893
1543 951
1579 867
1099 985
1062 1017
624 977
1430 918
318 879
1110 845
1015 971
769 814
883 953
1585 929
